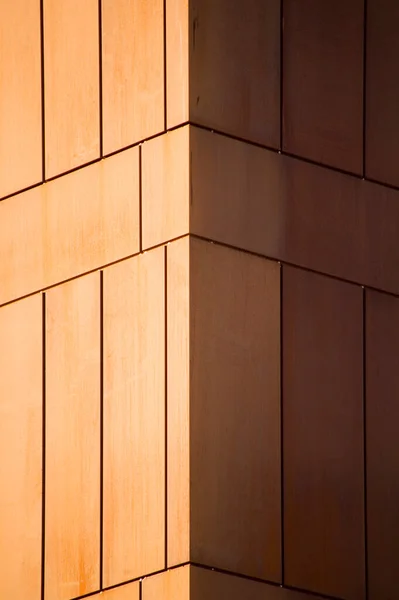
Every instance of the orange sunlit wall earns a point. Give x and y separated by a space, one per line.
199 299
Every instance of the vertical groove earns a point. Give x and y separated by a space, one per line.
166 403
164 67
101 423
42 90
141 589
281 71
365 443
100 73
43 548
140 199
281 426
364 87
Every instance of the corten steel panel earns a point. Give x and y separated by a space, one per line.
323 435
20 97
71 84
169 585
323 81
178 401
235 67
290 210
130 591
166 187
382 414
72 510
212 585
132 71
70 225
234 411
134 418
382 91
21 449
177 62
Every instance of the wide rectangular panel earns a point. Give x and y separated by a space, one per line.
166 187
70 225
209 584
132 71
134 418
72 510
20 97
178 401
287 209
323 81
235 411
21 449
323 435
235 67
382 414
177 62
382 91
71 84
130 591
169 585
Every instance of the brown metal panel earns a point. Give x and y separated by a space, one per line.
235 67
206 583
323 81
69 226
382 91
170 585
294 211
72 511
234 411
71 82
20 97
133 71
177 62
382 414
166 187
178 401
21 449
323 435
134 418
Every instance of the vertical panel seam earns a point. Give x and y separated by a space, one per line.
43 128
281 72
101 549
281 431
100 75
140 198
364 350
166 398
364 87
43 541
164 67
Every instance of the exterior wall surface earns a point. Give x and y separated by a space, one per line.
199 299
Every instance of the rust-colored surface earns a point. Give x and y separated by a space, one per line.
72 517
21 401
382 91
71 83
382 413
20 95
323 81
132 71
134 418
323 435
234 411
170 585
177 62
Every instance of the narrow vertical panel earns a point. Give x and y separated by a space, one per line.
21 449
382 413
133 71
20 97
323 81
170 585
235 67
323 435
71 80
72 439
235 411
178 395
382 91
134 418
177 62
